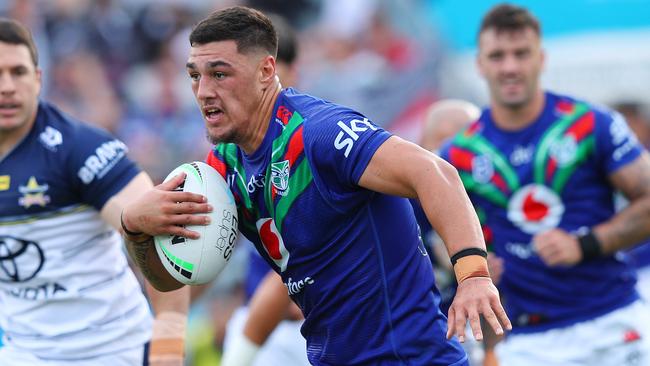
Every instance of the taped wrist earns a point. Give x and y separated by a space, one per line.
590 246
168 335
240 352
470 262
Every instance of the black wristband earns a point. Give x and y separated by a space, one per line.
466 252
590 246
127 231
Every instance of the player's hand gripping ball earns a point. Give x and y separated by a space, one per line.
198 261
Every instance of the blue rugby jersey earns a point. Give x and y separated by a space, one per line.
350 258
552 173
66 290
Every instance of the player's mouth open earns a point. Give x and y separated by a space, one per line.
212 114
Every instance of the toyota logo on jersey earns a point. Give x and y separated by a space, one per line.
20 260
535 208
272 242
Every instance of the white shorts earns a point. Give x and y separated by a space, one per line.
620 338
643 283
284 347
10 356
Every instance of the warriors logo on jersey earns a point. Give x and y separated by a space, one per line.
273 243
280 177
535 208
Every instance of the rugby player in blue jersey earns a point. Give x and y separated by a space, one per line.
325 209
541 170
67 294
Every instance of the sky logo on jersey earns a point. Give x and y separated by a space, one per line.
535 208
272 242
348 134
5 181
102 160
33 194
280 177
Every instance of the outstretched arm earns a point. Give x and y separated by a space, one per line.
402 168
170 309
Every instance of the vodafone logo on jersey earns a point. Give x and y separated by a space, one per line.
535 208
272 242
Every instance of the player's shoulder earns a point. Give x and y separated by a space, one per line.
314 112
56 130
566 103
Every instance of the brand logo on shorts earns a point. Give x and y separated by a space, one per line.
280 177
272 242
535 208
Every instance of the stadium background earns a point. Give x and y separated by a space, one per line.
120 64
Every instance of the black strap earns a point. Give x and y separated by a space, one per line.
467 252
590 246
127 231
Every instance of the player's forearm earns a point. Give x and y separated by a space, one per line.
448 207
627 228
267 309
143 254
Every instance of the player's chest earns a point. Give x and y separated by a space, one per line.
31 186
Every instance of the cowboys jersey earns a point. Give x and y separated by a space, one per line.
66 290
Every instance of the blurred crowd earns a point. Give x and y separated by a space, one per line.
120 64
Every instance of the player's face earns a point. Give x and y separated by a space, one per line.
227 85
20 84
511 62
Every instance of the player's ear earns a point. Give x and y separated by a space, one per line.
267 68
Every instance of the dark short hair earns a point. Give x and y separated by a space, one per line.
509 18
249 28
13 32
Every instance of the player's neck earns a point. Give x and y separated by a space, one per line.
509 118
261 117
9 139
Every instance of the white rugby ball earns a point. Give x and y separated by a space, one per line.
198 261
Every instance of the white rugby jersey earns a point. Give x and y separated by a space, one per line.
66 290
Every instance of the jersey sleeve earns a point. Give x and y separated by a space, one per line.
616 144
98 165
339 149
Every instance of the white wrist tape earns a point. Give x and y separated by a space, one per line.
241 352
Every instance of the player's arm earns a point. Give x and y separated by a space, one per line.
625 229
170 309
630 225
267 308
160 210
401 168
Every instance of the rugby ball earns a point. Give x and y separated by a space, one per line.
198 261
